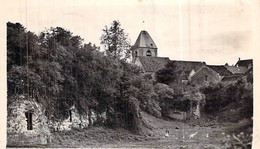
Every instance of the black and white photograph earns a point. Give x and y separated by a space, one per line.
174 74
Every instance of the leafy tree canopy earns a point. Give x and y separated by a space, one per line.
168 74
116 41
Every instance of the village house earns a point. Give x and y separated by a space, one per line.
210 74
244 63
237 70
145 55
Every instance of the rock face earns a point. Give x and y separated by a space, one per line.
26 123
196 112
178 115
75 120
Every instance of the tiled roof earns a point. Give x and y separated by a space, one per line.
144 40
230 78
221 70
152 64
236 70
249 72
245 63
189 65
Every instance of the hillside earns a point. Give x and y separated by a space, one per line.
205 133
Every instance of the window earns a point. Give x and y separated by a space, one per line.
151 44
28 116
206 78
148 53
70 115
136 53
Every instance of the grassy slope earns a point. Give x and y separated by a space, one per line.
211 132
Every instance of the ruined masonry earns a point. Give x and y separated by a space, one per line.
27 124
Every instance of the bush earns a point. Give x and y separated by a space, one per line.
168 74
163 91
219 96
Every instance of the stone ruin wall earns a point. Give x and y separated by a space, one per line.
17 125
17 132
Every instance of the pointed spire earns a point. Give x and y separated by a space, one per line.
144 40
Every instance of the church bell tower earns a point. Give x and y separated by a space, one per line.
144 46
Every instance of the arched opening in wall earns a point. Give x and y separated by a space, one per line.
148 53
136 53
28 116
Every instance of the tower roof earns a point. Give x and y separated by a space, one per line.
144 40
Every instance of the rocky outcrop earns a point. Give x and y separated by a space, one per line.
26 123
196 111
177 115
76 120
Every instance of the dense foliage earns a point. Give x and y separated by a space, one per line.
59 71
219 96
169 74
45 67
116 41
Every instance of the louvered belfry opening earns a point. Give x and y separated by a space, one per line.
148 53
28 116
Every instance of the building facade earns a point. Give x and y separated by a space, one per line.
145 55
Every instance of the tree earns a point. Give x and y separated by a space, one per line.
58 71
116 41
21 45
168 74
163 91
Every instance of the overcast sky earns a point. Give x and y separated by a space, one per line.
212 31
